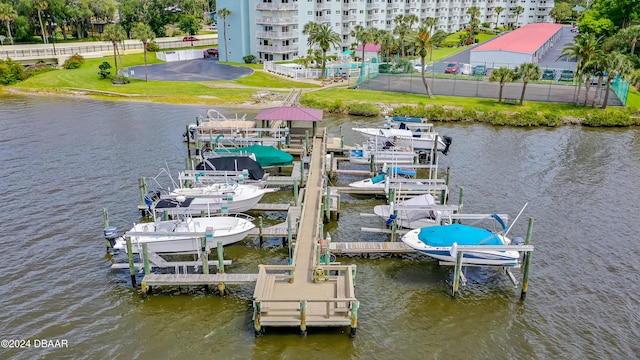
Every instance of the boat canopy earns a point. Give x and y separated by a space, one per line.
233 163
265 155
446 235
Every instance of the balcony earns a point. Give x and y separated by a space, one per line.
373 16
277 20
323 6
323 19
277 48
348 18
277 6
371 6
277 34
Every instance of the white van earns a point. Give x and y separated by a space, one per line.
465 69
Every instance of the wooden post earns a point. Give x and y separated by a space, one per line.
105 217
456 273
372 163
444 197
306 142
187 166
295 192
327 206
353 274
303 318
132 269
433 171
256 318
301 172
204 254
220 249
527 262
145 259
142 187
260 238
354 318
338 207
341 138
289 235
460 201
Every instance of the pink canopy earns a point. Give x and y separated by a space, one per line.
290 113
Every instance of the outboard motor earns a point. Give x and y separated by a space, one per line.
517 241
111 234
151 197
192 131
447 142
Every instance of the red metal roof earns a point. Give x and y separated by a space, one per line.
370 47
290 113
526 39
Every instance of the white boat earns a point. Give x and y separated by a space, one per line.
183 236
226 197
441 242
413 218
382 152
379 181
418 140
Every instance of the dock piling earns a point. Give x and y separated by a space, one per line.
295 193
220 249
527 262
303 318
354 318
456 273
132 269
204 254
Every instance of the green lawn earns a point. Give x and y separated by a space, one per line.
202 92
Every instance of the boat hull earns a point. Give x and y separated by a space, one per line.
469 257
175 236
403 138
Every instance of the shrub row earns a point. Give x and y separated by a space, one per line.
338 107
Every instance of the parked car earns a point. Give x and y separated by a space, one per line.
213 27
596 76
212 52
190 38
479 70
548 74
566 75
452 68
575 29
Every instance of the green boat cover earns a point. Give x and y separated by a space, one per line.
265 155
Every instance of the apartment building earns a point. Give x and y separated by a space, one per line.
272 29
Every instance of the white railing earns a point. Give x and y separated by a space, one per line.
296 73
276 6
277 34
277 48
277 20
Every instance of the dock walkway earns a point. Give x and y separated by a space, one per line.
304 293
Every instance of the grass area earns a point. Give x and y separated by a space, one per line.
633 101
175 92
441 53
479 104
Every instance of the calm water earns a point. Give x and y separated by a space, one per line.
64 160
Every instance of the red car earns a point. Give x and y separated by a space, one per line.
452 68
190 38
213 52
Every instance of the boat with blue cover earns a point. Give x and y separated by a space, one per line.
378 181
441 242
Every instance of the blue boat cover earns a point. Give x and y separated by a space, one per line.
406 119
399 171
446 235
377 179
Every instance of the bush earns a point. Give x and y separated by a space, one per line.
74 62
609 118
104 70
363 109
248 59
33 70
153 46
11 72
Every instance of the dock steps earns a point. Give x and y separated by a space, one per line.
197 279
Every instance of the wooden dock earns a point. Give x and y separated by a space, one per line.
304 294
374 247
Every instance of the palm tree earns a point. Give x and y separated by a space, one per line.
41 5
583 48
615 64
474 12
114 33
363 36
224 13
422 44
595 66
7 15
402 29
498 10
143 33
324 36
503 75
528 72
517 10
430 23
386 41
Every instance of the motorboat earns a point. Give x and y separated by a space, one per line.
442 241
416 140
378 181
221 197
183 235
413 218
382 152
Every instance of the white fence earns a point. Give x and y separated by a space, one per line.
296 72
180 55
